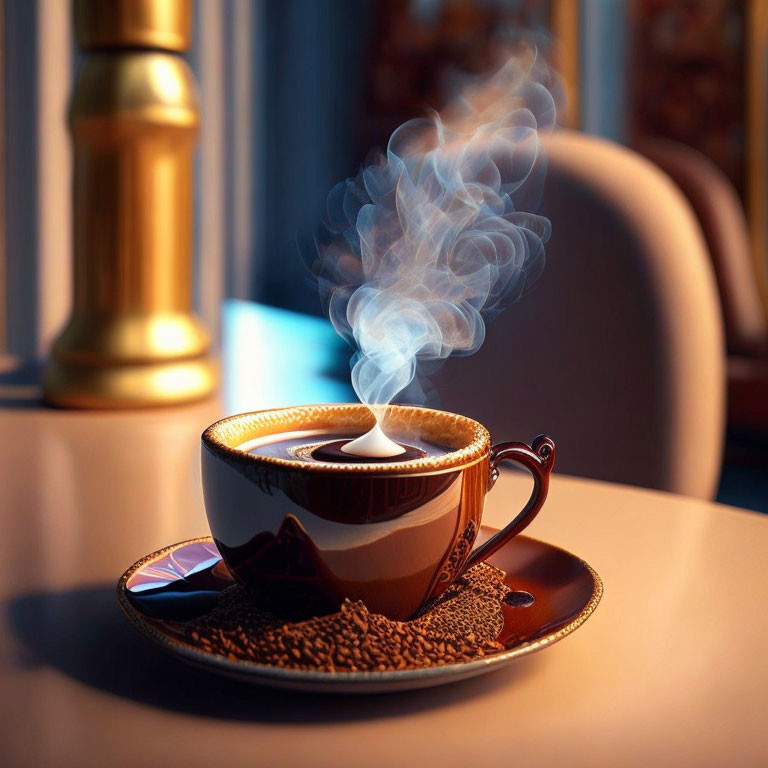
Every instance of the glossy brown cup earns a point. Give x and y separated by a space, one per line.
303 536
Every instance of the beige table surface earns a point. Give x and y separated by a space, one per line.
672 669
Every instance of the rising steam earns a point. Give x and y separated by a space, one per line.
435 237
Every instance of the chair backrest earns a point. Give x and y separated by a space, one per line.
724 224
618 352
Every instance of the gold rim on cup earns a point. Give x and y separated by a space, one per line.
468 440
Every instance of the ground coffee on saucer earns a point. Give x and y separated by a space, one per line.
463 625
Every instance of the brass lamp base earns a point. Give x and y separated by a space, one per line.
136 385
132 339
130 360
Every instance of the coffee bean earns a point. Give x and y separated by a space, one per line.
463 624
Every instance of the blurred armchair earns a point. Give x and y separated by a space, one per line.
618 351
722 219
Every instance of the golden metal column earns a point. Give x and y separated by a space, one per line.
133 339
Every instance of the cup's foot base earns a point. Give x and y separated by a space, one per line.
138 385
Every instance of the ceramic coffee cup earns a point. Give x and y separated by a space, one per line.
302 536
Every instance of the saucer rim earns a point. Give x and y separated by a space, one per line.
344 681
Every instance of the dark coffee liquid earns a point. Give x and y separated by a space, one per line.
321 446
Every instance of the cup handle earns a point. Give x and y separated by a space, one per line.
538 458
